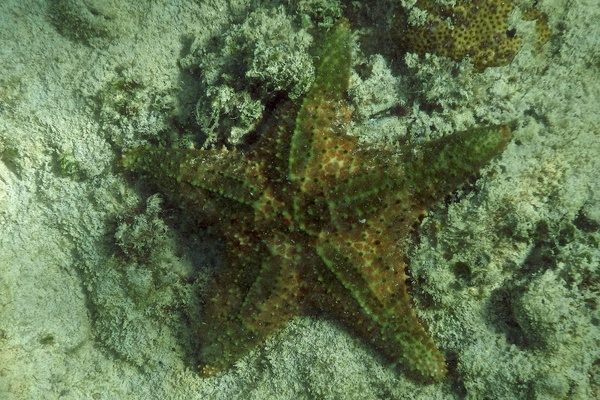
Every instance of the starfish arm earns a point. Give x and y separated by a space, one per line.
322 107
370 268
221 332
237 323
224 174
441 166
272 150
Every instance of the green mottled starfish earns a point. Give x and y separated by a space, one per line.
316 223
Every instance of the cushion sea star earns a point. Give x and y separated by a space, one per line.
316 223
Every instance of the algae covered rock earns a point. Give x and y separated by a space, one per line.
246 68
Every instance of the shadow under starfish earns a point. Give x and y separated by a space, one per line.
315 223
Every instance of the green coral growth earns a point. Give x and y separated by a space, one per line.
322 13
143 294
69 167
248 67
131 110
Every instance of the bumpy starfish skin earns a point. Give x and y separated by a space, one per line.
315 223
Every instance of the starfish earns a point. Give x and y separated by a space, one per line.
314 222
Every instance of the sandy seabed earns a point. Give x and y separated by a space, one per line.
505 274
